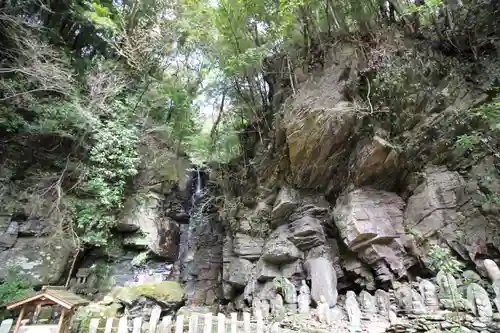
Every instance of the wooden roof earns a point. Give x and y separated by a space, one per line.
53 294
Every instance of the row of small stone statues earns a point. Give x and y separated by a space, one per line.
421 298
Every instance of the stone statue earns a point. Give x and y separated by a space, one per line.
367 303
289 292
449 295
265 307
383 303
417 303
323 310
277 307
304 298
248 292
404 298
447 285
494 275
429 294
256 305
352 308
481 305
492 270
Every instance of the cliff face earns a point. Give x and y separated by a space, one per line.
366 165
369 164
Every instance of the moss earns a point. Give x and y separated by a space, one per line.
97 310
165 291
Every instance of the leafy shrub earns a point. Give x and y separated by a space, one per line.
13 287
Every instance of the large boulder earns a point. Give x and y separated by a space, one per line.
286 202
323 280
434 202
8 234
321 127
43 260
331 252
306 233
266 271
374 162
248 247
365 216
140 299
445 205
157 233
239 272
279 250
370 223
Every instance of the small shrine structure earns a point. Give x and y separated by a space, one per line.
49 295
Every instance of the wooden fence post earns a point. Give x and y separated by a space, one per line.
166 325
123 325
6 325
109 325
221 323
207 328
179 324
234 322
260 321
155 318
94 325
246 322
193 323
137 325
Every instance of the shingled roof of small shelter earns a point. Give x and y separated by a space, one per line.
58 295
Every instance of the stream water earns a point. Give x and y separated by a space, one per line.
186 250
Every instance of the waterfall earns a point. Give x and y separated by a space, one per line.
198 184
200 250
186 250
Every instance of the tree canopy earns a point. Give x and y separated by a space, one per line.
105 74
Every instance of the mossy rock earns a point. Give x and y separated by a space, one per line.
167 292
139 242
98 310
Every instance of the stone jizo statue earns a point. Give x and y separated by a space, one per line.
352 308
417 303
429 294
304 298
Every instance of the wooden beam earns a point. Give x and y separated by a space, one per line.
60 327
36 313
19 319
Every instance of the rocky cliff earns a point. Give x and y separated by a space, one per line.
364 171
354 176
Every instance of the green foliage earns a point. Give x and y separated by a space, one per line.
14 286
106 75
280 285
99 15
454 330
426 11
441 259
484 130
140 259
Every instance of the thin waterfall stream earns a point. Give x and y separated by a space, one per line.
186 250
199 263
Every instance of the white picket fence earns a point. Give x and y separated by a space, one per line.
196 323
